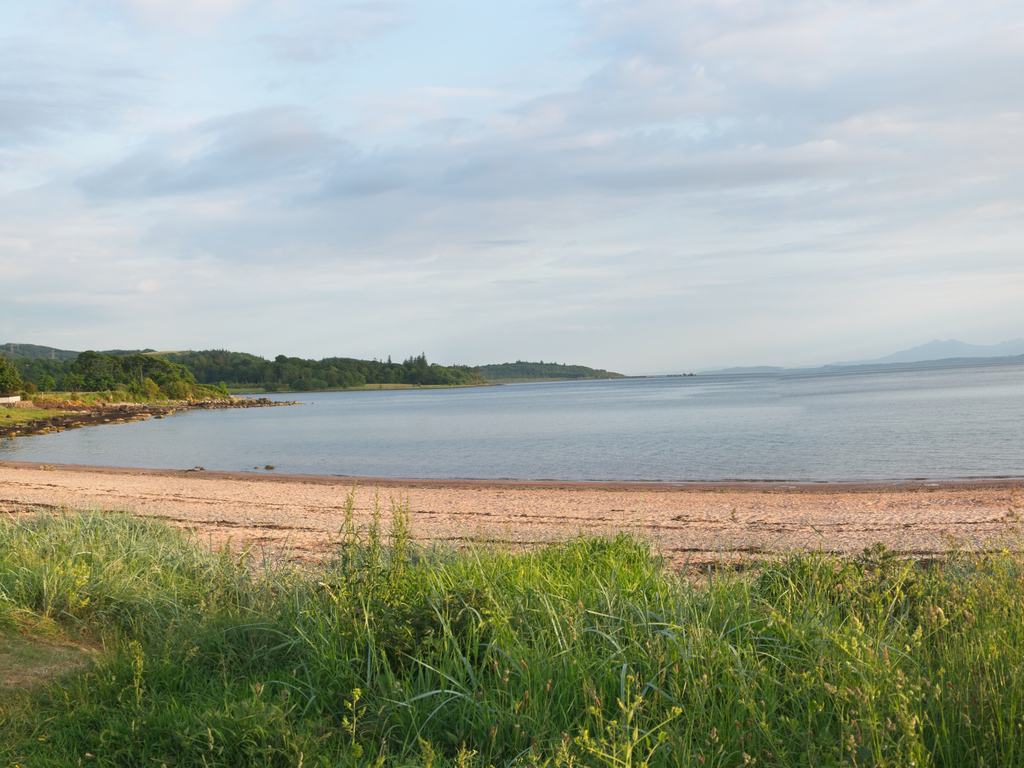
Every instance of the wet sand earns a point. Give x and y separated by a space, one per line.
690 523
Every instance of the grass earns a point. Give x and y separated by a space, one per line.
28 661
16 416
585 654
88 398
120 396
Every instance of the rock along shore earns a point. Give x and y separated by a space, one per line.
76 414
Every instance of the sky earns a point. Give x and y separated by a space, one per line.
638 185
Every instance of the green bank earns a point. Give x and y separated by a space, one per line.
589 653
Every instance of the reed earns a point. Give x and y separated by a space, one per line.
590 653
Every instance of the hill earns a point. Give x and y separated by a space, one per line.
36 352
946 350
524 371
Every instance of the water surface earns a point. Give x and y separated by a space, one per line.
938 423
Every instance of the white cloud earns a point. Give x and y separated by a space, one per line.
46 89
340 29
252 148
186 15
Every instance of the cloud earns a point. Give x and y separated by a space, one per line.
448 92
737 110
250 148
786 169
338 31
185 15
449 128
46 89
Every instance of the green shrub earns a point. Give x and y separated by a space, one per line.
177 390
150 389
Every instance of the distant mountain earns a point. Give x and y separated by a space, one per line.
944 350
947 362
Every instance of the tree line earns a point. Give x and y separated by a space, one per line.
140 375
295 374
179 375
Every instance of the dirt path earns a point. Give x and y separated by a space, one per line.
691 523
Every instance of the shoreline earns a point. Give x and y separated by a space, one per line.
791 486
70 414
692 524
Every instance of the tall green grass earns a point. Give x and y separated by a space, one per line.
590 653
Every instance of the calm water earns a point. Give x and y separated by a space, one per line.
892 425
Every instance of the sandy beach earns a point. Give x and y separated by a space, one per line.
691 524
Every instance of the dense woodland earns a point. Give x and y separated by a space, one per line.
176 373
138 374
239 369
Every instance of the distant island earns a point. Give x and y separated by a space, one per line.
180 373
541 371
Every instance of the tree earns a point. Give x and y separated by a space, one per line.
46 383
10 381
72 382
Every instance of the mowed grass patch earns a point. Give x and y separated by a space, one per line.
28 662
589 653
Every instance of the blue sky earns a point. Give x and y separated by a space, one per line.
641 186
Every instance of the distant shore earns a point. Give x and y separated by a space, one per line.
691 523
245 392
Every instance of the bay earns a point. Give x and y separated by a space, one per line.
930 423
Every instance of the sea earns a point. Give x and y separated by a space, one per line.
926 424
